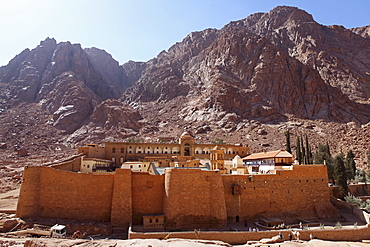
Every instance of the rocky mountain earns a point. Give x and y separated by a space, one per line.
248 83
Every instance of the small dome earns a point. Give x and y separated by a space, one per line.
185 134
237 161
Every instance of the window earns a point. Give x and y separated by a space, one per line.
113 150
122 150
149 184
150 221
156 220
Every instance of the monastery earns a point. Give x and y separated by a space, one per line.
174 186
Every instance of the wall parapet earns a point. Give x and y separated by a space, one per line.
354 234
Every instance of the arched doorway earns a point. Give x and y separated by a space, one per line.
187 150
237 218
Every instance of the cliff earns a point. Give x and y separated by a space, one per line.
247 82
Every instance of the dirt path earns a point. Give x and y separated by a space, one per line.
9 200
161 243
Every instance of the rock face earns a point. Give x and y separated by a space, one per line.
67 81
263 72
273 64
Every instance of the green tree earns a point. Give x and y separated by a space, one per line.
350 165
328 148
340 174
308 152
287 136
298 150
218 141
323 155
303 149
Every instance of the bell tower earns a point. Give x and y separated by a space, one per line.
217 160
186 142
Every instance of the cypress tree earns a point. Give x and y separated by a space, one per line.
298 151
328 148
340 174
287 136
303 152
322 155
308 152
350 165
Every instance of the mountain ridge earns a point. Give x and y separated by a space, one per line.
262 74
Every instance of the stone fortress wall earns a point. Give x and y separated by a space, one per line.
302 191
188 198
47 192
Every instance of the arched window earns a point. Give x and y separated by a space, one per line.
175 150
149 150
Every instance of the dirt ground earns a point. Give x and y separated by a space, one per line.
160 243
9 200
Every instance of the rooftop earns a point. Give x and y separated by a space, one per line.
269 155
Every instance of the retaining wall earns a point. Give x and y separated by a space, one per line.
352 234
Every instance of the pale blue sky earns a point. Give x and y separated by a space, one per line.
138 30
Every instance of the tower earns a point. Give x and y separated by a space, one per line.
187 144
217 159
